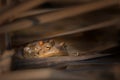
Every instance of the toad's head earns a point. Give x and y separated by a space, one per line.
46 48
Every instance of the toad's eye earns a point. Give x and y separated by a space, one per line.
48 47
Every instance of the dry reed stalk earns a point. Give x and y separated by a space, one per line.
53 16
18 9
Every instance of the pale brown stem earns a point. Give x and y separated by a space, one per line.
18 9
53 16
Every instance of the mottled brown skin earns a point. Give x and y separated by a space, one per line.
42 49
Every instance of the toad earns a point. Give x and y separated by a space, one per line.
47 48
